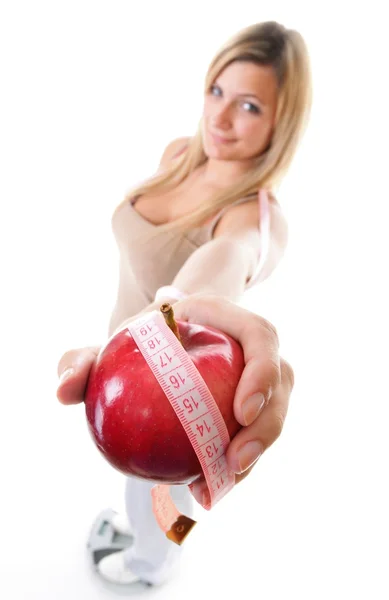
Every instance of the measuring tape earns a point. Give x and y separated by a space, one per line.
197 411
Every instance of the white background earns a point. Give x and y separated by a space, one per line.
91 92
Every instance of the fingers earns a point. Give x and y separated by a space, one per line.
262 396
258 339
261 375
199 490
73 371
213 311
252 441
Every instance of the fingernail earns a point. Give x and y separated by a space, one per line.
252 407
206 498
65 374
248 454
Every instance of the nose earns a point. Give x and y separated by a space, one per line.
222 117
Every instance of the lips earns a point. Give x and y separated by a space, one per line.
218 139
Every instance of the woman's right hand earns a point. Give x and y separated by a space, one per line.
73 372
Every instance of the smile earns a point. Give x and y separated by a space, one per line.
219 139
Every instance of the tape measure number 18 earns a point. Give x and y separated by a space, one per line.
197 411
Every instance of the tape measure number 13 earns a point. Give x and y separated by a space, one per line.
197 411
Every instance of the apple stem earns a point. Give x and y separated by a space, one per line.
167 311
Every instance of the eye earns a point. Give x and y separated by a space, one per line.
252 108
215 90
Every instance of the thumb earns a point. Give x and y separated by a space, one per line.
73 371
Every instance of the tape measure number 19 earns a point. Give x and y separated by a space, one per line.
197 411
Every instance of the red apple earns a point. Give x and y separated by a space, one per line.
132 421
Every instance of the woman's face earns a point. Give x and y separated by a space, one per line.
239 112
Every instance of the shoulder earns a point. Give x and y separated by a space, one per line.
238 218
241 221
172 149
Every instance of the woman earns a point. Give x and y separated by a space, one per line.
207 223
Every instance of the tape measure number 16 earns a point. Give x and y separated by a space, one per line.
197 411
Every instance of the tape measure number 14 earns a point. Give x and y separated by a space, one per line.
197 411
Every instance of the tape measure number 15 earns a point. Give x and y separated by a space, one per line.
197 411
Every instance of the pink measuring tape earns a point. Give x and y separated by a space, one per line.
197 411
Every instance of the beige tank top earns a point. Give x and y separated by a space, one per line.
148 263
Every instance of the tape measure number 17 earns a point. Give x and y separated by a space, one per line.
197 411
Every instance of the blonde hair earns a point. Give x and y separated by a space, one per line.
266 43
